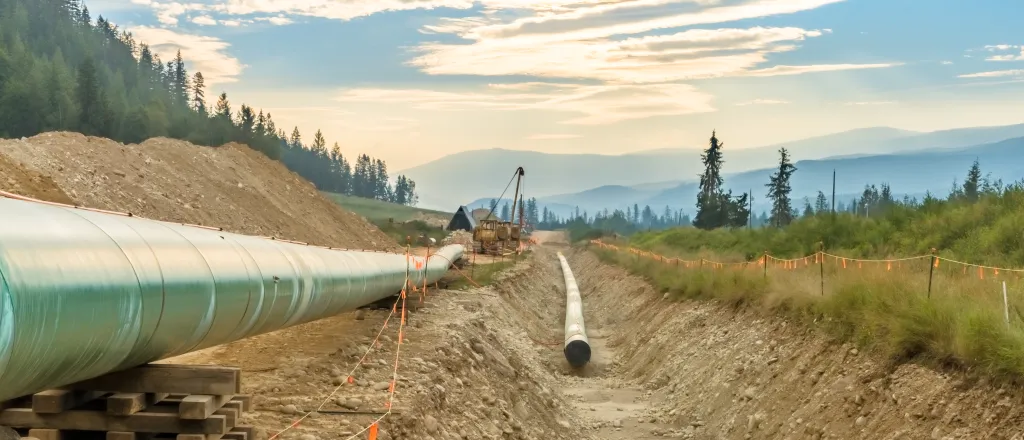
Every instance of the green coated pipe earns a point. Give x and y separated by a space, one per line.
86 293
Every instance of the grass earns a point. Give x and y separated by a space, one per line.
483 274
376 210
960 325
412 229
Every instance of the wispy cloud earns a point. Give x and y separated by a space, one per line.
584 105
552 137
206 54
1007 52
863 103
204 20
763 102
995 74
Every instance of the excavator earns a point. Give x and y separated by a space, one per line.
497 237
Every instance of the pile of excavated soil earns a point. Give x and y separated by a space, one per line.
710 372
232 187
16 179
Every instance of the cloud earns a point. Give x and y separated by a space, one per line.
862 103
279 20
946 63
681 56
169 11
552 137
763 102
205 54
1016 52
582 104
204 20
995 74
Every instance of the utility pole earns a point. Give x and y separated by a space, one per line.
750 210
833 192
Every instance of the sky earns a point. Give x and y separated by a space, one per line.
410 81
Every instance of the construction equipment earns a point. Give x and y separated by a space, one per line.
496 237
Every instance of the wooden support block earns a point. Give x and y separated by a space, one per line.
250 431
118 435
235 435
100 421
236 405
238 376
167 379
55 401
230 416
45 434
198 406
199 436
126 404
246 401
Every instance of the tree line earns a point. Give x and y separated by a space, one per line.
621 221
62 71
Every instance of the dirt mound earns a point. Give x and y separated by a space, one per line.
713 372
231 187
16 179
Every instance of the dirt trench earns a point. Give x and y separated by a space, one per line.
487 364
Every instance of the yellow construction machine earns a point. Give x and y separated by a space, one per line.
496 237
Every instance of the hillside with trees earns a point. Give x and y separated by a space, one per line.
61 70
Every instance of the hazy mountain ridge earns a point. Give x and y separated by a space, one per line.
561 178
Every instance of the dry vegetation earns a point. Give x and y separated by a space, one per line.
881 306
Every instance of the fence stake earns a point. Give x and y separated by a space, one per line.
931 271
701 264
1006 306
766 265
821 265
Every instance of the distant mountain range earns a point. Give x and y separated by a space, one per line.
910 162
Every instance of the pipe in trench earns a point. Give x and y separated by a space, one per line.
85 293
577 346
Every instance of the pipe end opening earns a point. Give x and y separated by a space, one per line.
577 353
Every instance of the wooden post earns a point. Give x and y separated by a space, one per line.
931 272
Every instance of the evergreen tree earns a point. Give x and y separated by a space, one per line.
808 209
199 94
505 211
709 207
779 189
821 203
94 119
972 184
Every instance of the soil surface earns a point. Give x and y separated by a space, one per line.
232 187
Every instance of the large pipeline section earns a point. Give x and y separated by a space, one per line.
86 293
577 347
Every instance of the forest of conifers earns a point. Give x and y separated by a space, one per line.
60 70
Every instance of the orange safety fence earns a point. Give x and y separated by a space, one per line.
818 258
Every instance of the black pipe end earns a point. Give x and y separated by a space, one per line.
577 353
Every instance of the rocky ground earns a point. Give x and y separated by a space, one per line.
487 364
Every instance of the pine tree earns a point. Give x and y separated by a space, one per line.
821 203
199 94
223 109
505 211
779 189
712 207
94 118
319 142
972 184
